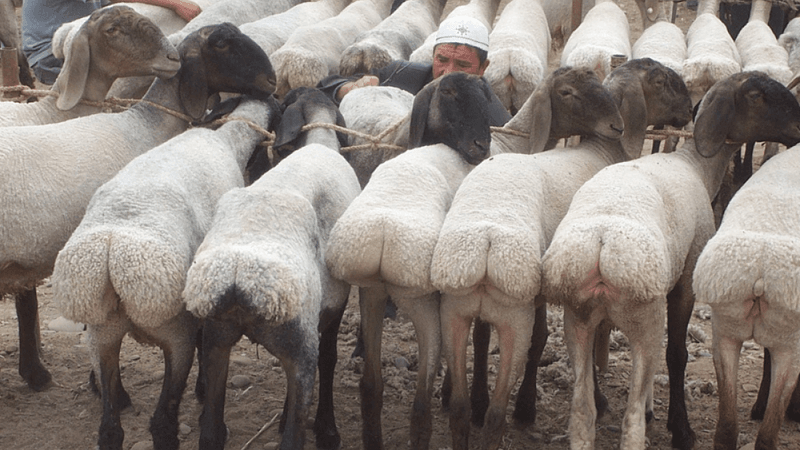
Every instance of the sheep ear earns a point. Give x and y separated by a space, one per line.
288 129
542 115
72 79
419 116
339 135
633 110
715 119
193 85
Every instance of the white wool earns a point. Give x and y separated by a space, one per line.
759 50
664 42
313 52
519 46
711 55
604 32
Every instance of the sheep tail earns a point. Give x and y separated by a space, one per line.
363 58
297 68
266 283
618 259
741 267
506 258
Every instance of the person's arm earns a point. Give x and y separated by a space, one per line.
187 9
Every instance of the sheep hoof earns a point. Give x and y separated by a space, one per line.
329 441
37 377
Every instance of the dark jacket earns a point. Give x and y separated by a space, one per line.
408 76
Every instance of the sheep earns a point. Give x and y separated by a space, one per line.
50 172
236 12
487 261
271 32
519 45
629 242
711 53
113 42
313 52
604 32
789 40
260 272
9 37
123 269
394 38
483 10
384 240
747 275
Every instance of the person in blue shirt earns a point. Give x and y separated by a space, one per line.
41 19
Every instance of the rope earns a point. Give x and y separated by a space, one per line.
375 141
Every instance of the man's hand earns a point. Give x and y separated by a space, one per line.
366 80
187 9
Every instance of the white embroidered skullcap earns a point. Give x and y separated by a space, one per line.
463 30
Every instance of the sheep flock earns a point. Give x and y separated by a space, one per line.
225 259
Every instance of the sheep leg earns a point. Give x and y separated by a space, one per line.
455 337
784 379
424 314
525 408
680 302
105 342
177 340
643 328
327 435
479 395
726 365
793 410
514 335
298 350
579 336
199 385
372 304
601 341
757 412
30 365
218 339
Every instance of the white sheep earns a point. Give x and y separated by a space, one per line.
483 10
261 272
790 40
747 273
236 12
711 52
313 52
50 172
93 58
384 242
519 45
604 32
487 262
626 249
271 32
394 38
124 268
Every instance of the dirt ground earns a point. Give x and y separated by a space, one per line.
67 415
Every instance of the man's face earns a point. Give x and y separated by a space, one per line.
456 58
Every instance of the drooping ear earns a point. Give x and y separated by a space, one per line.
633 110
714 119
339 135
419 115
292 120
193 85
542 116
72 79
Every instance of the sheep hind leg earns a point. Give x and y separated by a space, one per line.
218 339
525 407
760 405
579 337
455 335
479 393
680 302
424 314
514 336
726 366
105 341
372 304
784 379
30 364
177 339
325 431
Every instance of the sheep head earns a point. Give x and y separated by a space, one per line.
571 101
648 93
746 107
453 110
112 42
302 106
220 58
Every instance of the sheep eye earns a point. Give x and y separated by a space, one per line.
111 30
564 92
221 45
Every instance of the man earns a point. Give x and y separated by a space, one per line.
41 19
462 45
